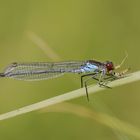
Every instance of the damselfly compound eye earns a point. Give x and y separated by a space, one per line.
109 65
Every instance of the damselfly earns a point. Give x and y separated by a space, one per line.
100 71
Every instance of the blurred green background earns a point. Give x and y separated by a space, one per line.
70 30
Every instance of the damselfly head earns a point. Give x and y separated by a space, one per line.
109 66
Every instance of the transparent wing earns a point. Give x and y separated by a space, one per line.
42 70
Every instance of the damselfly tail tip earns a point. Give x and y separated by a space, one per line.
2 75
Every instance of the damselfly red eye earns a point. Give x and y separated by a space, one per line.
109 66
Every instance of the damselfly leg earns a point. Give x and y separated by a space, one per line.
86 75
92 76
84 82
103 80
114 76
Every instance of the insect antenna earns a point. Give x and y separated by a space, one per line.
118 66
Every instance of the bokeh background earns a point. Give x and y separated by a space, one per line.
52 30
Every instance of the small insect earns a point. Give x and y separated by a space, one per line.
100 71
